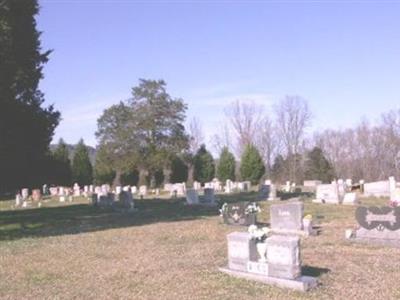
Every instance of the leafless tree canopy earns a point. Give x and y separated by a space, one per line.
221 140
369 152
292 119
196 135
267 142
245 119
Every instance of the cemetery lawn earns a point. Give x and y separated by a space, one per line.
167 250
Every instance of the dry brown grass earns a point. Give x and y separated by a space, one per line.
167 251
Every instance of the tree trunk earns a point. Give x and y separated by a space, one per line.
190 178
142 176
117 178
167 175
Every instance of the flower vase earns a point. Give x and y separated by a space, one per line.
262 251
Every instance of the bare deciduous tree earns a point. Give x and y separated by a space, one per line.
196 135
267 143
292 119
245 119
222 139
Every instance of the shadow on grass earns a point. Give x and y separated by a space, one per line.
313 271
79 218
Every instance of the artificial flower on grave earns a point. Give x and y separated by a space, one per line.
308 217
223 209
258 234
252 208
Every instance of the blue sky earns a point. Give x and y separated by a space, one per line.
343 57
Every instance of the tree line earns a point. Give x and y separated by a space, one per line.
143 140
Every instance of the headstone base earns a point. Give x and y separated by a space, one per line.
381 238
302 283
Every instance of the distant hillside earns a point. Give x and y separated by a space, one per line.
71 150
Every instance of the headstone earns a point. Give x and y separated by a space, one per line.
45 189
377 189
395 197
378 225
350 198
217 185
263 192
18 200
247 186
168 187
36 195
127 188
197 185
282 266
61 191
192 197
288 216
362 182
327 193
341 188
241 249
178 189
239 213
106 200
118 189
126 200
287 187
349 184
25 194
273 193
53 191
97 190
283 256
77 190
134 190
209 197
143 190
228 186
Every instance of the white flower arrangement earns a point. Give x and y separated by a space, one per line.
259 234
252 208
223 209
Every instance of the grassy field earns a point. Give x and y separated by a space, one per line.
167 250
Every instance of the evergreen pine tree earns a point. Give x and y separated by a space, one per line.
204 167
62 165
251 164
318 167
226 165
82 171
26 128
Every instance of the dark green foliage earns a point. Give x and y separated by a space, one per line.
144 133
61 173
251 164
130 178
179 170
204 168
82 170
318 167
279 169
26 128
226 165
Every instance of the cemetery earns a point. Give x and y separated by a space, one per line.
238 170
242 245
